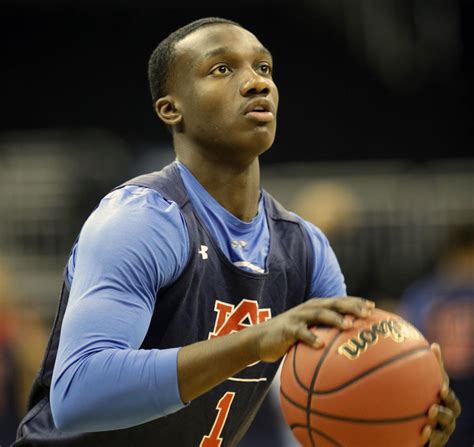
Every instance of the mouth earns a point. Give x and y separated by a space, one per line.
260 110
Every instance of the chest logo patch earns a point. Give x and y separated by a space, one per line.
231 318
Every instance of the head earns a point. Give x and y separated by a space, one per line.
211 84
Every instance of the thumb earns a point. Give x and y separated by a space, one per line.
437 352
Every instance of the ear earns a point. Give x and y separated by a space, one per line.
167 110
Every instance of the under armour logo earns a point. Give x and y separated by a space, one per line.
203 251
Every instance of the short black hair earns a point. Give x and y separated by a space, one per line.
162 58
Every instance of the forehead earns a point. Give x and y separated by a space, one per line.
208 40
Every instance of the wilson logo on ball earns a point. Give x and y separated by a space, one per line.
398 331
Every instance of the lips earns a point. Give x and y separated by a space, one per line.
260 109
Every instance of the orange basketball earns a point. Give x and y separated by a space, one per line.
369 386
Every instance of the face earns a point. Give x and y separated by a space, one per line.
224 91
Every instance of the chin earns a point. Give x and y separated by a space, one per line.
261 136
261 142
251 151
251 143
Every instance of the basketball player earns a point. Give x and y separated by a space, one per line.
186 286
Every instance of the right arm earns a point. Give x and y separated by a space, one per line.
134 243
205 364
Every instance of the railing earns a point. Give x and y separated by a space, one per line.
386 220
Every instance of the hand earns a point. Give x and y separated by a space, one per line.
278 334
444 415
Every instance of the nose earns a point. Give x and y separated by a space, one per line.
255 85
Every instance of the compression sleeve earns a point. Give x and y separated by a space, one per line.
327 279
134 243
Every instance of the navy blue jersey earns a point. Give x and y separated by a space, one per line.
211 298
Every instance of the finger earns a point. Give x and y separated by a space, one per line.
444 390
452 402
437 352
362 301
305 335
438 438
443 416
436 349
330 302
425 434
359 307
356 306
329 317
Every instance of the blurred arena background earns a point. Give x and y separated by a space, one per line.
374 145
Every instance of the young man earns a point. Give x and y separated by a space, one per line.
186 286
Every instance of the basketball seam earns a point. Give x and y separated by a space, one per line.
370 371
355 420
374 368
313 381
300 383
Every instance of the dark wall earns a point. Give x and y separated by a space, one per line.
84 65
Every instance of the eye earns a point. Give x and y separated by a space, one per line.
265 68
221 69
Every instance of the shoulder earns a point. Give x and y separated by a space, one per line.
318 241
134 216
138 197
327 279
136 225
314 233
135 205
276 210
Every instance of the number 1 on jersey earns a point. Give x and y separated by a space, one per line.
213 439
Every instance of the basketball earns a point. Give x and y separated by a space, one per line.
369 386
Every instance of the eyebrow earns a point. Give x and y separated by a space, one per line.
225 50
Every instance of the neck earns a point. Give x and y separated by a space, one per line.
235 185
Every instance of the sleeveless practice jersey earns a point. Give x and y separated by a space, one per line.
211 298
